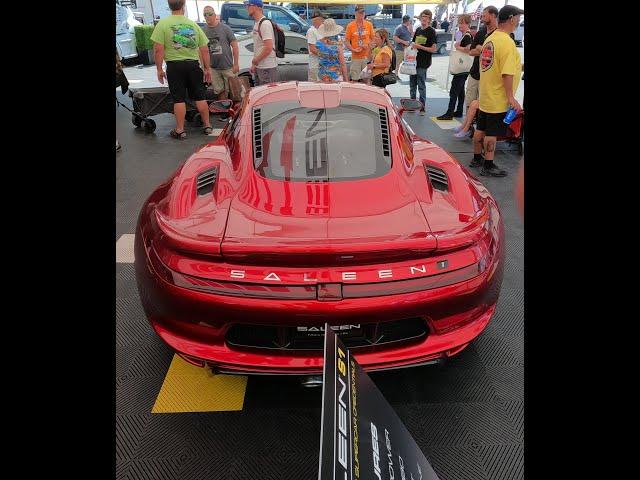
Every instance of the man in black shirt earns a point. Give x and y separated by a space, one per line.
424 40
490 21
457 83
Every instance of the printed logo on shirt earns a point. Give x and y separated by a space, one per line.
184 36
486 57
214 46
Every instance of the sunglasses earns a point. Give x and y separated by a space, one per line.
209 14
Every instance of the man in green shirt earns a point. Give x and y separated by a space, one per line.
181 43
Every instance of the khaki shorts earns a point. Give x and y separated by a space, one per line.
399 59
220 80
357 65
471 94
313 75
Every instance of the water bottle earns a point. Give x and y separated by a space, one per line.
511 114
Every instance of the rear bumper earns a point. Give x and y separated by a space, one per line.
195 323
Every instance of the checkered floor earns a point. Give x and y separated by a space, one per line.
467 416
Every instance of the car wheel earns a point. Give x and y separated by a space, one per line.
137 121
149 125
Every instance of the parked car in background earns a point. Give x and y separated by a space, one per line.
236 16
519 34
125 38
294 65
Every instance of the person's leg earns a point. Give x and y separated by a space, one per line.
471 93
422 78
217 81
355 69
453 96
495 127
468 121
197 93
478 138
399 60
313 75
177 77
413 84
459 112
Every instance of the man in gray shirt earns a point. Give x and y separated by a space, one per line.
402 38
222 42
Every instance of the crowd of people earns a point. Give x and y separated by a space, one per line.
212 58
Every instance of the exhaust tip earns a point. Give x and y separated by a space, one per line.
312 381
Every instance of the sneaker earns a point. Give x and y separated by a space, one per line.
422 113
476 163
446 116
457 115
118 146
461 134
492 170
457 129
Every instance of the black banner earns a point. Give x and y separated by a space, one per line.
361 436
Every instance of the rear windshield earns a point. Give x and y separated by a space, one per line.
318 144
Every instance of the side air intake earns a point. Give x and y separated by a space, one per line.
257 135
384 126
206 181
438 178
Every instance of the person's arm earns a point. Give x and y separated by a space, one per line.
231 38
343 64
397 39
385 62
158 53
508 71
312 43
236 56
466 46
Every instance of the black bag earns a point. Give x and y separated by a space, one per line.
389 78
278 34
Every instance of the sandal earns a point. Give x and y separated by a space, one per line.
207 130
179 135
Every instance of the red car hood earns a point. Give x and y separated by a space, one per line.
339 223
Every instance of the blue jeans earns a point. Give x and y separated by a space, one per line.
418 81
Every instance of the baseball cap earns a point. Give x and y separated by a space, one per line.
359 8
405 18
255 3
509 11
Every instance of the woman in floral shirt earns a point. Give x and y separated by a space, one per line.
331 64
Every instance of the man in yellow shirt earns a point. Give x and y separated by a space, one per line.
500 72
358 36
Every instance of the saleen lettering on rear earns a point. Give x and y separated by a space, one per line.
345 276
342 413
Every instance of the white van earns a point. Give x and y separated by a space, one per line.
125 37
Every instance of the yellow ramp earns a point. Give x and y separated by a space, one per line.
188 388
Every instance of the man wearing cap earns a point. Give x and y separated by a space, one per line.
490 23
312 38
264 64
358 36
500 71
223 52
402 38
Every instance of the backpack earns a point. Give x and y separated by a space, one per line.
278 37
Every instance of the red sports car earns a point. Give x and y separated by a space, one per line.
318 203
